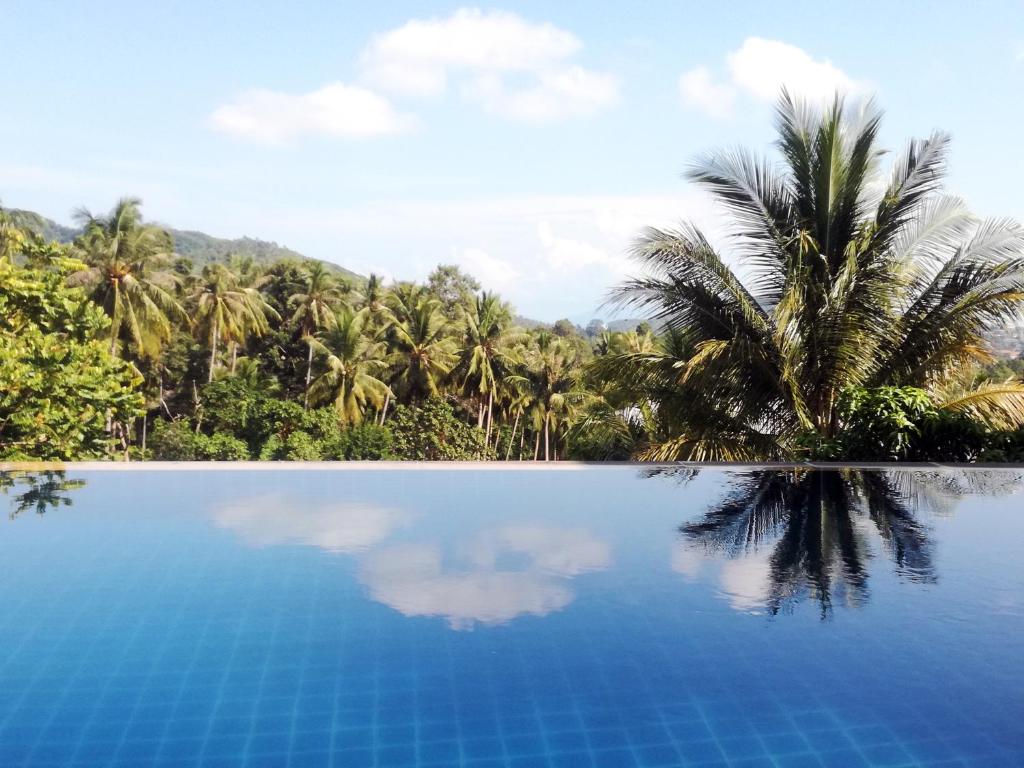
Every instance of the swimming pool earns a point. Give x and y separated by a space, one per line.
586 616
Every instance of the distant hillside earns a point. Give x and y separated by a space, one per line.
201 248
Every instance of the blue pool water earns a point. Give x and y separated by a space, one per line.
593 617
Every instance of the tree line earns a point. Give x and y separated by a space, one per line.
857 331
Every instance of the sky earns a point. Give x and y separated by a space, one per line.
527 142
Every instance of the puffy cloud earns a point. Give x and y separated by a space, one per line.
415 581
337 110
418 57
273 520
411 580
744 582
558 551
570 92
485 49
759 68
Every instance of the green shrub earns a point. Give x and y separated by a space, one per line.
362 442
432 432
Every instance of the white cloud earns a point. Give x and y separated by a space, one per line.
411 580
337 110
556 551
698 90
274 520
418 57
415 580
743 582
569 92
759 69
762 67
485 49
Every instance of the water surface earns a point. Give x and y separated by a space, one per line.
614 616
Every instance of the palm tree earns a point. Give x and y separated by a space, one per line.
226 311
483 360
314 309
355 363
553 375
127 273
421 349
372 298
850 284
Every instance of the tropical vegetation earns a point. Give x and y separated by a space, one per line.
846 316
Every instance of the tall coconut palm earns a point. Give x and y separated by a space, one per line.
315 309
372 298
849 283
553 374
128 276
226 311
355 364
483 359
423 354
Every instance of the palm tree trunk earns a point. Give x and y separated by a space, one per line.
512 437
536 447
309 374
490 414
213 351
113 344
522 442
480 416
144 420
547 440
234 356
384 410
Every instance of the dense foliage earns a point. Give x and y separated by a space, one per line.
858 332
62 396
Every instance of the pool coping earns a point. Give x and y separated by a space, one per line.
490 466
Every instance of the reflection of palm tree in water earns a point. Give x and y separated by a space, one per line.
38 490
815 523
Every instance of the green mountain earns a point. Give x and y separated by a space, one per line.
199 247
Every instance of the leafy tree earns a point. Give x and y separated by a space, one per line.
564 328
848 288
177 441
432 432
360 442
59 385
452 287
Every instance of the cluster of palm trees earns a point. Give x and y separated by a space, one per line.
367 346
850 282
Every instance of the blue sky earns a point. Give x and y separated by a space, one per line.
527 142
